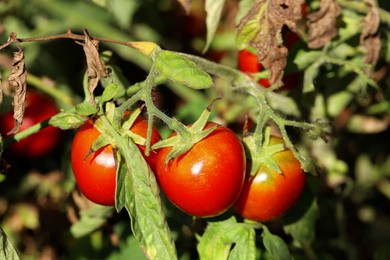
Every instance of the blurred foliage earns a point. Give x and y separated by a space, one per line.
346 213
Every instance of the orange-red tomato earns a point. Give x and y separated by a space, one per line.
96 174
37 109
268 195
206 180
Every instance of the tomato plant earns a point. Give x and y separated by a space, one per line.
206 180
95 173
268 194
37 109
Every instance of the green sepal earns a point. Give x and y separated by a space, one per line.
179 69
187 136
129 122
67 120
109 92
86 109
262 154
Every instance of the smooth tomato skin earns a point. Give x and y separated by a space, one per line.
269 195
37 109
247 62
205 181
96 174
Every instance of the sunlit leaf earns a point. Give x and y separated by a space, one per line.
181 70
218 240
7 250
137 191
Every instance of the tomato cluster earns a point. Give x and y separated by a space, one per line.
205 181
37 109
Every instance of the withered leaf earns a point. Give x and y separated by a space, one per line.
17 81
186 4
322 24
369 37
266 37
96 68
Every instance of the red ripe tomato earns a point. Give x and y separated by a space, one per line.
38 108
268 195
206 180
140 127
96 174
247 63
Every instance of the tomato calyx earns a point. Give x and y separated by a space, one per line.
187 136
262 154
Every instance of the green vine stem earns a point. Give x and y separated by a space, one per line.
361 7
266 112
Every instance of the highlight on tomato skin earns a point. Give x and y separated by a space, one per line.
37 109
205 181
95 174
269 195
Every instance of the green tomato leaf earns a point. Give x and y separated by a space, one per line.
67 120
310 74
214 10
128 247
86 109
303 58
90 220
277 248
179 69
219 237
7 250
300 222
116 77
110 92
137 191
247 33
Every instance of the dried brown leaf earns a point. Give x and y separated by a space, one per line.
17 81
186 4
369 37
272 16
322 24
96 68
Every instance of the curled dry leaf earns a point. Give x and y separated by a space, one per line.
322 24
369 37
268 19
17 81
96 68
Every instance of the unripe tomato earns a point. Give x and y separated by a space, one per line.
268 195
206 180
96 174
37 109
